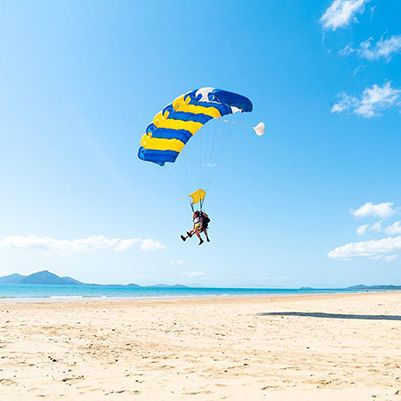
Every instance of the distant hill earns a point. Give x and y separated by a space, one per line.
12 279
49 278
375 287
42 277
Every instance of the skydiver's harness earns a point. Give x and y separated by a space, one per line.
197 223
201 222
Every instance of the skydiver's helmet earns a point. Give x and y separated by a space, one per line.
196 214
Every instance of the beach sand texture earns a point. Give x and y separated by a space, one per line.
338 348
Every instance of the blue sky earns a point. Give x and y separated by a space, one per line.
79 83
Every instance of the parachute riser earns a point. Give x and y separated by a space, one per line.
200 206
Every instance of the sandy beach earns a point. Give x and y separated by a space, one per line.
319 347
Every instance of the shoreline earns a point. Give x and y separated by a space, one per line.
79 298
196 294
253 299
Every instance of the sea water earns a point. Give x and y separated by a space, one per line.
37 291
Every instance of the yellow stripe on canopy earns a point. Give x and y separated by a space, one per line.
161 144
197 196
180 104
190 126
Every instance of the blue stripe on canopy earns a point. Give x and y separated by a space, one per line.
151 128
233 100
223 109
159 157
184 116
167 133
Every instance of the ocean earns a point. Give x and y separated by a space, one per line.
28 291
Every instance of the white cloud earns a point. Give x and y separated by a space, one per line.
91 244
369 209
394 228
377 227
193 274
150 244
383 48
347 50
341 12
370 102
345 103
362 229
377 249
177 263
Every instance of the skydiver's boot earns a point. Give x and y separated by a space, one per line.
201 241
183 238
189 234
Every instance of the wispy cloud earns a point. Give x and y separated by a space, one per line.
383 48
394 228
371 101
376 227
369 209
362 229
90 244
383 249
179 262
341 12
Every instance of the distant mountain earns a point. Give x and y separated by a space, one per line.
375 287
49 278
46 277
12 279
42 277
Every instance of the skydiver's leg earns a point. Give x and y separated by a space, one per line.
199 236
189 235
207 237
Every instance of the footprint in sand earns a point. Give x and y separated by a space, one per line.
7 382
72 379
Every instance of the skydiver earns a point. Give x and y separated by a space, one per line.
200 221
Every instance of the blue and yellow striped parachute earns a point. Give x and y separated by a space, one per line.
175 125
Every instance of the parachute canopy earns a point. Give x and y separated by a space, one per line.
197 196
172 128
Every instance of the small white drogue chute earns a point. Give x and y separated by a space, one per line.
259 128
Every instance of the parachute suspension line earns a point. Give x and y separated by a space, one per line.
217 152
173 178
